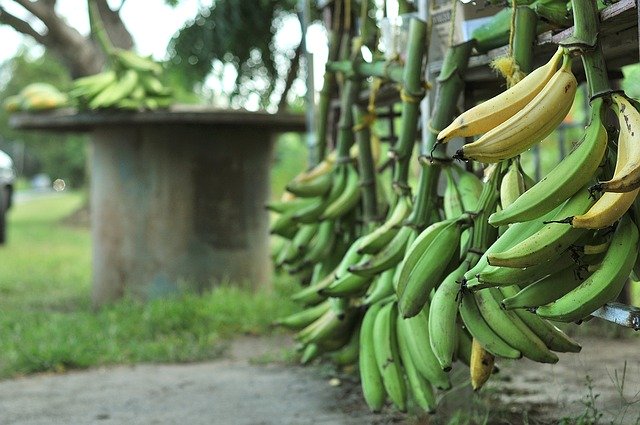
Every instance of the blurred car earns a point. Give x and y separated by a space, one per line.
7 181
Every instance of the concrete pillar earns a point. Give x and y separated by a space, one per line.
178 207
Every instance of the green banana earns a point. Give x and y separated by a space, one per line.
572 173
553 338
443 314
546 290
130 60
512 185
389 257
425 276
311 188
303 318
549 241
419 387
347 199
370 376
383 234
386 353
381 288
322 243
480 329
116 91
605 283
511 328
416 333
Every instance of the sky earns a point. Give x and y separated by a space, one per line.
152 24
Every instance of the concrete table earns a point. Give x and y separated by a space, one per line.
177 196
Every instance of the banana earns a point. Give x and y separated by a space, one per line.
545 290
419 387
303 318
383 234
627 177
511 328
310 188
116 91
416 333
154 86
425 275
470 188
493 112
382 288
347 285
347 199
605 283
535 121
416 249
443 315
321 244
481 365
129 60
506 276
553 338
311 352
88 87
512 185
370 376
348 354
550 240
452 199
463 347
389 257
304 235
568 177
284 225
480 329
386 353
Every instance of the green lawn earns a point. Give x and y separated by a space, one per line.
46 320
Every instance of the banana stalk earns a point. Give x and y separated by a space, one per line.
450 85
366 166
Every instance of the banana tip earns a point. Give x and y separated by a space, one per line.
459 155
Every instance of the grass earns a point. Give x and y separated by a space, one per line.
46 319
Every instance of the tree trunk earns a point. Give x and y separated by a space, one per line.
80 54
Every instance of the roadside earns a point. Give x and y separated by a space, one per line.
252 385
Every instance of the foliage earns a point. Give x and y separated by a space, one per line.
235 32
47 323
59 155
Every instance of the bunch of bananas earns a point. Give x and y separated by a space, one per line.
130 82
490 267
36 97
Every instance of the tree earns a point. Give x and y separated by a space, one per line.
78 53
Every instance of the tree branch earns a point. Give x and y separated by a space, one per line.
37 9
21 26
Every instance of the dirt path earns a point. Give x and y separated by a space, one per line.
239 390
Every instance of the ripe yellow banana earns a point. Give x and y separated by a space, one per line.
500 108
481 365
529 125
611 206
627 178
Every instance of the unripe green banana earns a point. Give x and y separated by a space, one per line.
311 188
572 173
303 318
427 272
480 329
383 234
511 328
605 283
382 288
512 185
370 376
419 387
389 257
443 315
349 197
416 333
387 357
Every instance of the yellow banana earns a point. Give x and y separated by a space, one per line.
529 125
627 178
481 365
500 108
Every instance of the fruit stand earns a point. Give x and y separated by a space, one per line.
177 196
476 261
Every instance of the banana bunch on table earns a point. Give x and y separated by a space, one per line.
36 97
130 82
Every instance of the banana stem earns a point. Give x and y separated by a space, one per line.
366 166
391 71
329 83
411 95
586 20
524 38
483 234
97 28
449 86
595 69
